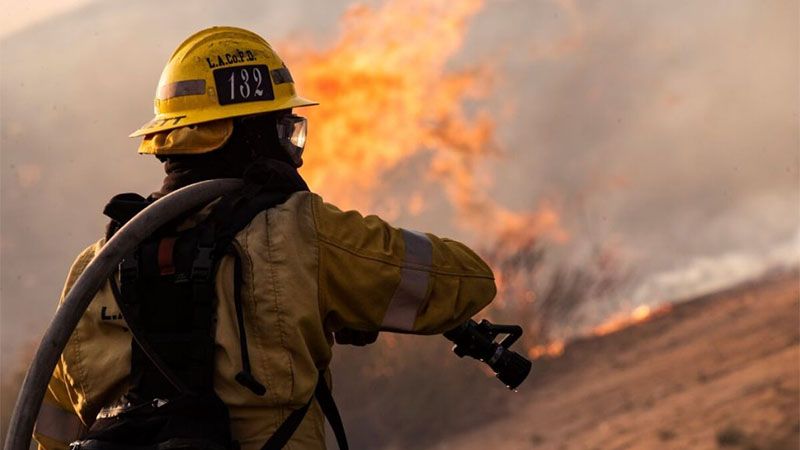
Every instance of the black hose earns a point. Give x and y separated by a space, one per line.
91 280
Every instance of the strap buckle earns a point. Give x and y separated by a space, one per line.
129 269
203 261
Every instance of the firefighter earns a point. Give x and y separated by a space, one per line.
233 344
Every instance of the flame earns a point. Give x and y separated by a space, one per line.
640 314
394 107
389 101
386 95
552 349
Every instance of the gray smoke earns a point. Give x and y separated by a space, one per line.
665 131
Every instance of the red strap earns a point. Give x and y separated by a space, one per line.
165 263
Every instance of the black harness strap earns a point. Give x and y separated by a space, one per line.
328 406
202 311
245 376
281 436
231 216
323 395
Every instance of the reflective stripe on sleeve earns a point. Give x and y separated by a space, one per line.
58 424
413 287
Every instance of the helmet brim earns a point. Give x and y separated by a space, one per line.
170 121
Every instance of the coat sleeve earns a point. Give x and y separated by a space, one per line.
57 423
373 276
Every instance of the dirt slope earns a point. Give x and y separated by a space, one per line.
721 371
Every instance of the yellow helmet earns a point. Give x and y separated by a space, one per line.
219 73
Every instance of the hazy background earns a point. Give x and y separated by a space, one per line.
665 133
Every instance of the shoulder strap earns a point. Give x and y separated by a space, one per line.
328 405
245 377
238 211
121 208
231 216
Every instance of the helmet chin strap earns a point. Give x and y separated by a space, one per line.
292 133
295 154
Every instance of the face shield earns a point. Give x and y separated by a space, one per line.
292 132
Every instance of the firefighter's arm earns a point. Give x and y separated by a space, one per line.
57 424
377 277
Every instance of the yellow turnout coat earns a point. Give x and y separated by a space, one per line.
309 269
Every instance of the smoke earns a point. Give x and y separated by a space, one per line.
664 133
703 274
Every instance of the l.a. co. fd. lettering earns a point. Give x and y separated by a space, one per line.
239 56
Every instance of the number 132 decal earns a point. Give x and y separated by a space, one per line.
243 84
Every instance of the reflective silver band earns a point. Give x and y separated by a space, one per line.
181 88
280 76
58 424
413 287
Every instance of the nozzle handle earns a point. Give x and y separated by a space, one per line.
476 340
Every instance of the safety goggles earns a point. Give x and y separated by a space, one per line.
292 131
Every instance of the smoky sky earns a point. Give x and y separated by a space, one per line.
666 129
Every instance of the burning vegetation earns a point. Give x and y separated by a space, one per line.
389 101
387 97
392 103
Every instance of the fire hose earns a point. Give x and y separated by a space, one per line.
91 280
471 339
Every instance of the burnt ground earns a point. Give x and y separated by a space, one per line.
718 372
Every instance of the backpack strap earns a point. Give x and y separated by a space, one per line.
328 406
231 216
322 393
121 208
245 376
254 204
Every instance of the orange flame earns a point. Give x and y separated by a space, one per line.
640 314
552 349
389 101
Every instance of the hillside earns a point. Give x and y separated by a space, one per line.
721 371
717 372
